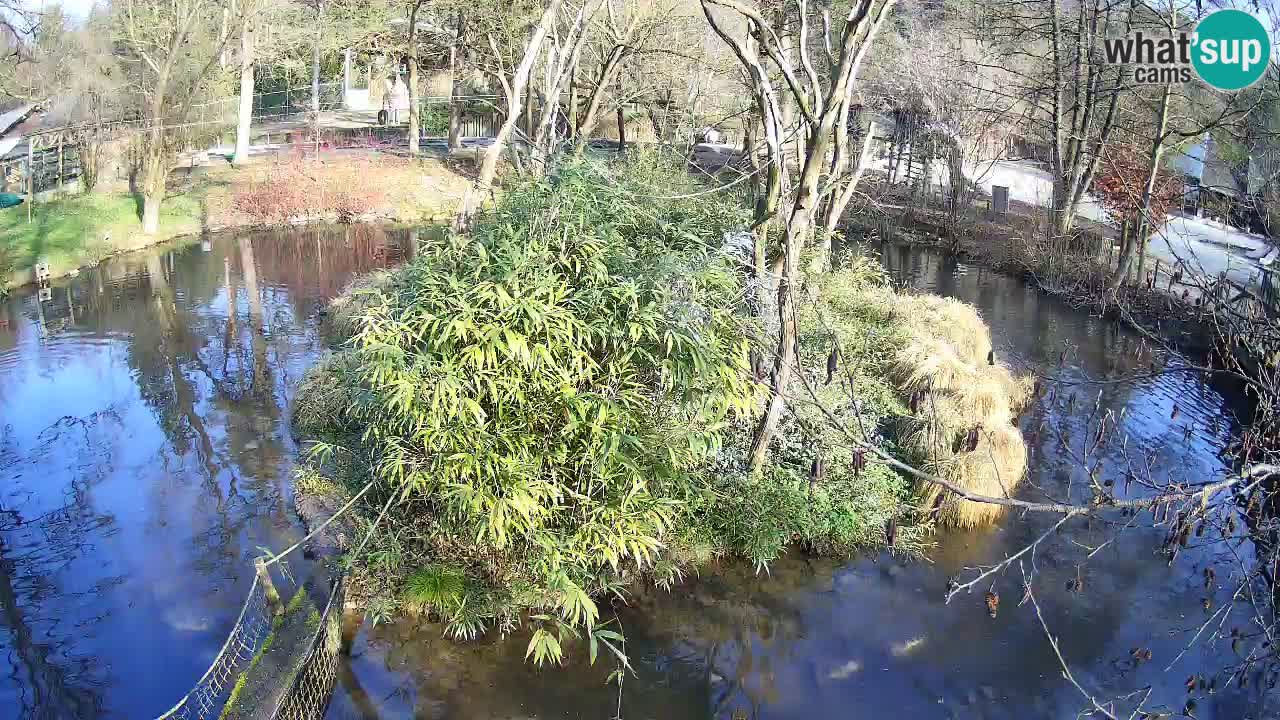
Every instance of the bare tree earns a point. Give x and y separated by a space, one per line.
171 49
1048 56
513 80
820 98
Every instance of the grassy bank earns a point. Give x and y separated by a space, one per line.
562 404
78 230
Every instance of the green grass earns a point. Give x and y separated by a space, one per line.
72 231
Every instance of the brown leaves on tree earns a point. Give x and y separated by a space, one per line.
993 603
1122 179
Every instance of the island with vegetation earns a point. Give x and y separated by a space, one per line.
560 403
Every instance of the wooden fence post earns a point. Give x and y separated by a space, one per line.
31 177
268 586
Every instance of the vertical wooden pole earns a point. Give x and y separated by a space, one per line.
268 586
622 130
622 122
31 177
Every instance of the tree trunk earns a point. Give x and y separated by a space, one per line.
483 184
571 110
455 86
414 119
1139 241
528 111
841 201
315 59
244 121
622 128
153 182
596 98
768 424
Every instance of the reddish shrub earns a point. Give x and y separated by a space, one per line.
301 189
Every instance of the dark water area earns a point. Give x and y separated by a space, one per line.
145 459
872 636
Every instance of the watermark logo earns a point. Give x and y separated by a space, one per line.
1229 50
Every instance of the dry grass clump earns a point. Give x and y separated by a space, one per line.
962 428
928 363
345 309
929 437
949 320
1018 389
994 468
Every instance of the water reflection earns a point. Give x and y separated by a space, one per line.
145 456
873 637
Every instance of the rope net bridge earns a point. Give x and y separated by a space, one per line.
280 661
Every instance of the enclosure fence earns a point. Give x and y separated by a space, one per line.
311 688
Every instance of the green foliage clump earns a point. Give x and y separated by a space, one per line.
562 403
544 392
844 509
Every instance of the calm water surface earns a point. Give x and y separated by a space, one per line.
145 456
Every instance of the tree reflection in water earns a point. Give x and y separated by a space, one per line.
146 457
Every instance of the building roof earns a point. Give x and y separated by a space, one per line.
13 117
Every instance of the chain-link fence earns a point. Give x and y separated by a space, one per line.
312 687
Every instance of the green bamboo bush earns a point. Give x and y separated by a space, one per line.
562 401
542 391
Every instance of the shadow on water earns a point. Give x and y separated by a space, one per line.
145 457
873 636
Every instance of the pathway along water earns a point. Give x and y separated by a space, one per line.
872 637
145 457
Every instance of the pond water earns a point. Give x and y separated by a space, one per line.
145 456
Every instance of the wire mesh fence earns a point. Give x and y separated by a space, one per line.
206 699
312 687
309 690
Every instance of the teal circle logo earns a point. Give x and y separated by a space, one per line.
1231 49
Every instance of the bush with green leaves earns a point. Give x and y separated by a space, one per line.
544 391
563 404
846 508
